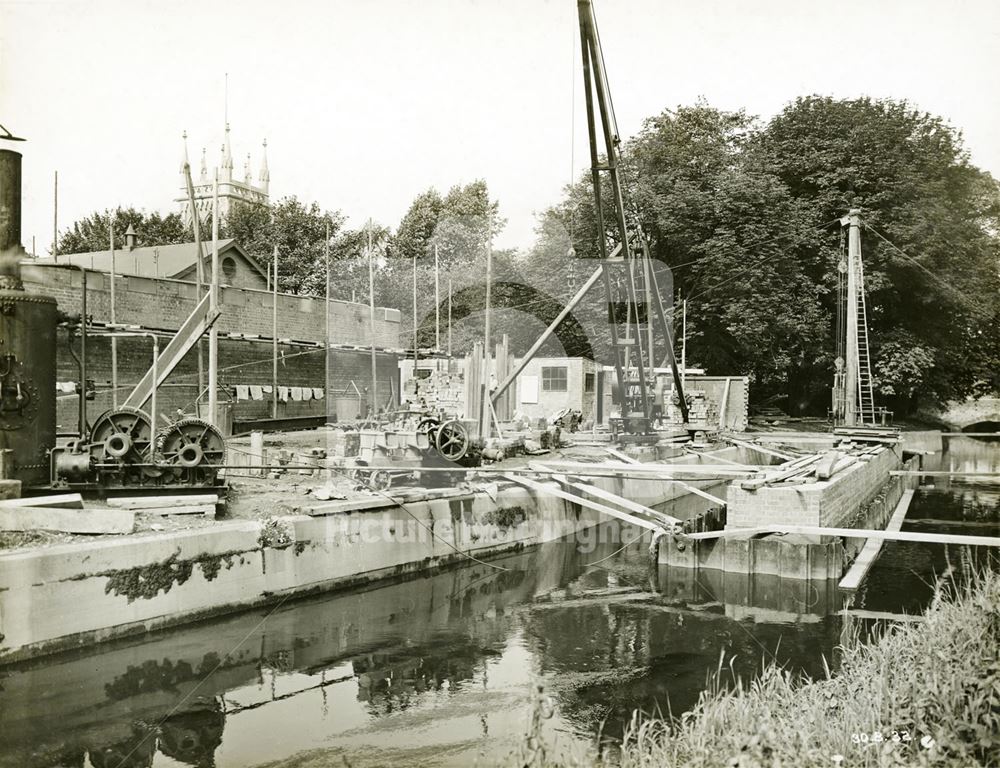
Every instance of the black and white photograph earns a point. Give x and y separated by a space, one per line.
499 384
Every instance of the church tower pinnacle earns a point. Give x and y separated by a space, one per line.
265 173
184 159
233 189
227 159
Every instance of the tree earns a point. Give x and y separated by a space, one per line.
930 240
460 224
747 217
299 232
93 233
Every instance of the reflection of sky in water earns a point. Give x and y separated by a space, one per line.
437 671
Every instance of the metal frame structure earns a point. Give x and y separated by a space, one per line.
634 377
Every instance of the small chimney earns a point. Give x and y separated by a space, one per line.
129 238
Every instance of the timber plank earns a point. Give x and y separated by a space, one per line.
154 502
189 509
62 501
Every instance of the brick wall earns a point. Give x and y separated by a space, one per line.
165 304
827 503
240 362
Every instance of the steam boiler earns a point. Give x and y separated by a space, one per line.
27 348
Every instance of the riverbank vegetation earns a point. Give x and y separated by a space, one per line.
925 693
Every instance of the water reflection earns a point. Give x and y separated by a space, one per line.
436 670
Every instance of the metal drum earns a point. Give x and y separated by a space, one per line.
28 383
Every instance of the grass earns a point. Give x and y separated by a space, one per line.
931 690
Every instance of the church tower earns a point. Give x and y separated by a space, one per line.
231 190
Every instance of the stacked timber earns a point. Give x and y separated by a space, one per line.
203 504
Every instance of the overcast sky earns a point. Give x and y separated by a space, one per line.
366 104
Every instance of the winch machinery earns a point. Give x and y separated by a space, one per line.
121 450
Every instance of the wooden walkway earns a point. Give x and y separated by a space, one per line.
852 533
870 552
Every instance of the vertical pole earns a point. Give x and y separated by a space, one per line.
449 324
114 320
647 275
414 315
83 356
213 333
274 337
437 300
200 268
152 394
55 220
33 254
851 366
326 368
684 340
486 424
373 401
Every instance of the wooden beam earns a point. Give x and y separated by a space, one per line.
583 467
624 503
939 473
759 448
623 456
67 520
583 502
181 509
699 492
857 613
853 533
152 502
723 459
61 501
870 552
797 468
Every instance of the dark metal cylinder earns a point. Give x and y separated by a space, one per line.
28 382
10 200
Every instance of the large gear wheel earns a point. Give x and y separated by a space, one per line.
121 435
193 450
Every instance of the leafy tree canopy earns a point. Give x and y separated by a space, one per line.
299 232
460 224
93 233
746 215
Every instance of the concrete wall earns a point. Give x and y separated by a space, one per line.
825 503
70 595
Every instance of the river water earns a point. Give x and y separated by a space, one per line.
441 670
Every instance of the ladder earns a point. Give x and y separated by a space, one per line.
866 394
630 339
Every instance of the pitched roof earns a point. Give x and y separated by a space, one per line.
169 261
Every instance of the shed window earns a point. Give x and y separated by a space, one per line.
229 267
554 378
588 382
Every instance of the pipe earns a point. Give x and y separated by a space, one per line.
83 347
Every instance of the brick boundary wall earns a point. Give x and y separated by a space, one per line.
166 304
240 362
